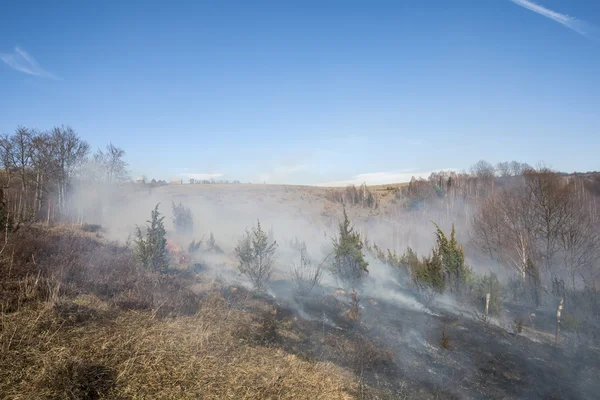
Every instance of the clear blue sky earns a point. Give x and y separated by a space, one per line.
309 91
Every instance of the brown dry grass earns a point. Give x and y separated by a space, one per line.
68 331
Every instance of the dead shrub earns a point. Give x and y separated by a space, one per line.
446 341
354 312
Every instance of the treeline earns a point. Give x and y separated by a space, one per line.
41 169
540 225
545 227
355 196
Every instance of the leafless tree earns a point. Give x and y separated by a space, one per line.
112 163
44 166
549 196
71 152
483 170
21 154
6 155
579 241
503 169
518 168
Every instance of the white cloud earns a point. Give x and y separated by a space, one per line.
382 178
281 172
22 61
200 176
577 25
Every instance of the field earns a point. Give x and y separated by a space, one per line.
81 319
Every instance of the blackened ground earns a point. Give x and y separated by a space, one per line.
442 354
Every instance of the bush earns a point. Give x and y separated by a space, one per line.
212 246
305 274
428 275
183 219
349 265
256 257
488 283
151 251
456 273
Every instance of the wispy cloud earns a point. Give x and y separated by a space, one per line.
575 24
24 62
382 178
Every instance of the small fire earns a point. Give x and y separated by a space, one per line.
177 252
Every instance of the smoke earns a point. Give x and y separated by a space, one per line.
393 312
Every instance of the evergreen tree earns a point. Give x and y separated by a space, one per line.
349 264
151 250
456 272
183 219
428 274
256 256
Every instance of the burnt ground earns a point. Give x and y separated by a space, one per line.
408 353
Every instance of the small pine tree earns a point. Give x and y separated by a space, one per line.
151 250
428 274
211 241
456 272
183 219
409 259
212 245
349 265
256 256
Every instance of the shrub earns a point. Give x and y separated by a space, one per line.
151 251
183 219
428 273
194 246
571 322
349 265
456 273
212 245
409 259
256 256
305 274
488 283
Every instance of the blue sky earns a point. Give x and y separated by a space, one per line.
309 91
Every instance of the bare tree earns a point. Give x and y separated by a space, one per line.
518 168
503 169
6 155
483 170
71 152
21 154
579 242
44 166
550 199
112 163
505 228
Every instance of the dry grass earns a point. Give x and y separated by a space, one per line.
83 322
137 355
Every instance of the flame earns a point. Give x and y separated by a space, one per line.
177 252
